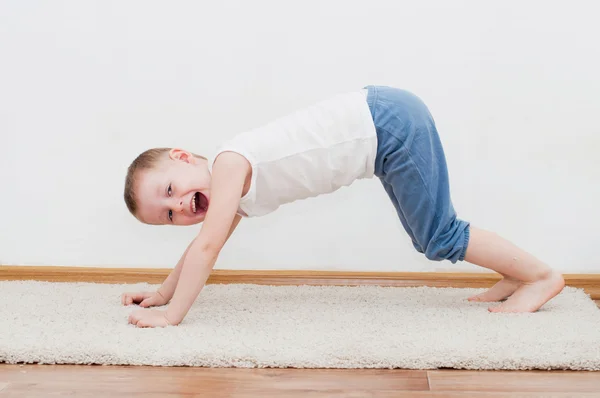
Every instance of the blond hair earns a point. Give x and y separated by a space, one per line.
147 160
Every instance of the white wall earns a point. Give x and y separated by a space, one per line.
85 86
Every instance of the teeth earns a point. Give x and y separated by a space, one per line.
194 203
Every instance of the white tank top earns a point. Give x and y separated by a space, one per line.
310 152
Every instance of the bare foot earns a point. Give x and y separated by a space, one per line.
530 296
499 291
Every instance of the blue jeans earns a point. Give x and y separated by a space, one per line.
411 165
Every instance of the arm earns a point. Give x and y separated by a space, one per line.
167 289
227 184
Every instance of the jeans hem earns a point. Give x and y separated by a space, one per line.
465 243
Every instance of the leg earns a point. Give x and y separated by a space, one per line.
412 166
390 191
529 282
415 176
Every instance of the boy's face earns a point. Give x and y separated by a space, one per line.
176 191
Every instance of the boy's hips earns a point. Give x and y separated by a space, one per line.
399 117
396 109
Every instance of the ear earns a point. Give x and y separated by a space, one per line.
180 154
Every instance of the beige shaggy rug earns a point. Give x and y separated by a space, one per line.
298 326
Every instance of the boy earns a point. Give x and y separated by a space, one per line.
377 131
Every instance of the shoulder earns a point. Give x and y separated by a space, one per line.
232 168
231 161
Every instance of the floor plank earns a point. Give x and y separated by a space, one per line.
503 381
487 394
30 380
273 393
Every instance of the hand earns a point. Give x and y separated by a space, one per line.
144 299
149 318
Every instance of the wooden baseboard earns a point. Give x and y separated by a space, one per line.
589 282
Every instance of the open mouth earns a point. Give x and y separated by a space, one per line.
199 203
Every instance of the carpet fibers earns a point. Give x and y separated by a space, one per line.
297 326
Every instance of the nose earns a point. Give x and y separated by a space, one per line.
179 206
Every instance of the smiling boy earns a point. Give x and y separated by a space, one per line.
377 131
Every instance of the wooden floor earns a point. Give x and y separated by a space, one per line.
34 381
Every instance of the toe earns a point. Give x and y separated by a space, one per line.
487 297
499 308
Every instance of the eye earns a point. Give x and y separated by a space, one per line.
169 190
171 215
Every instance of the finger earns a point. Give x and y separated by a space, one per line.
150 301
134 318
144 322
136 297
140 296
129 298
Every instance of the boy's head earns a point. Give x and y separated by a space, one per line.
168 186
